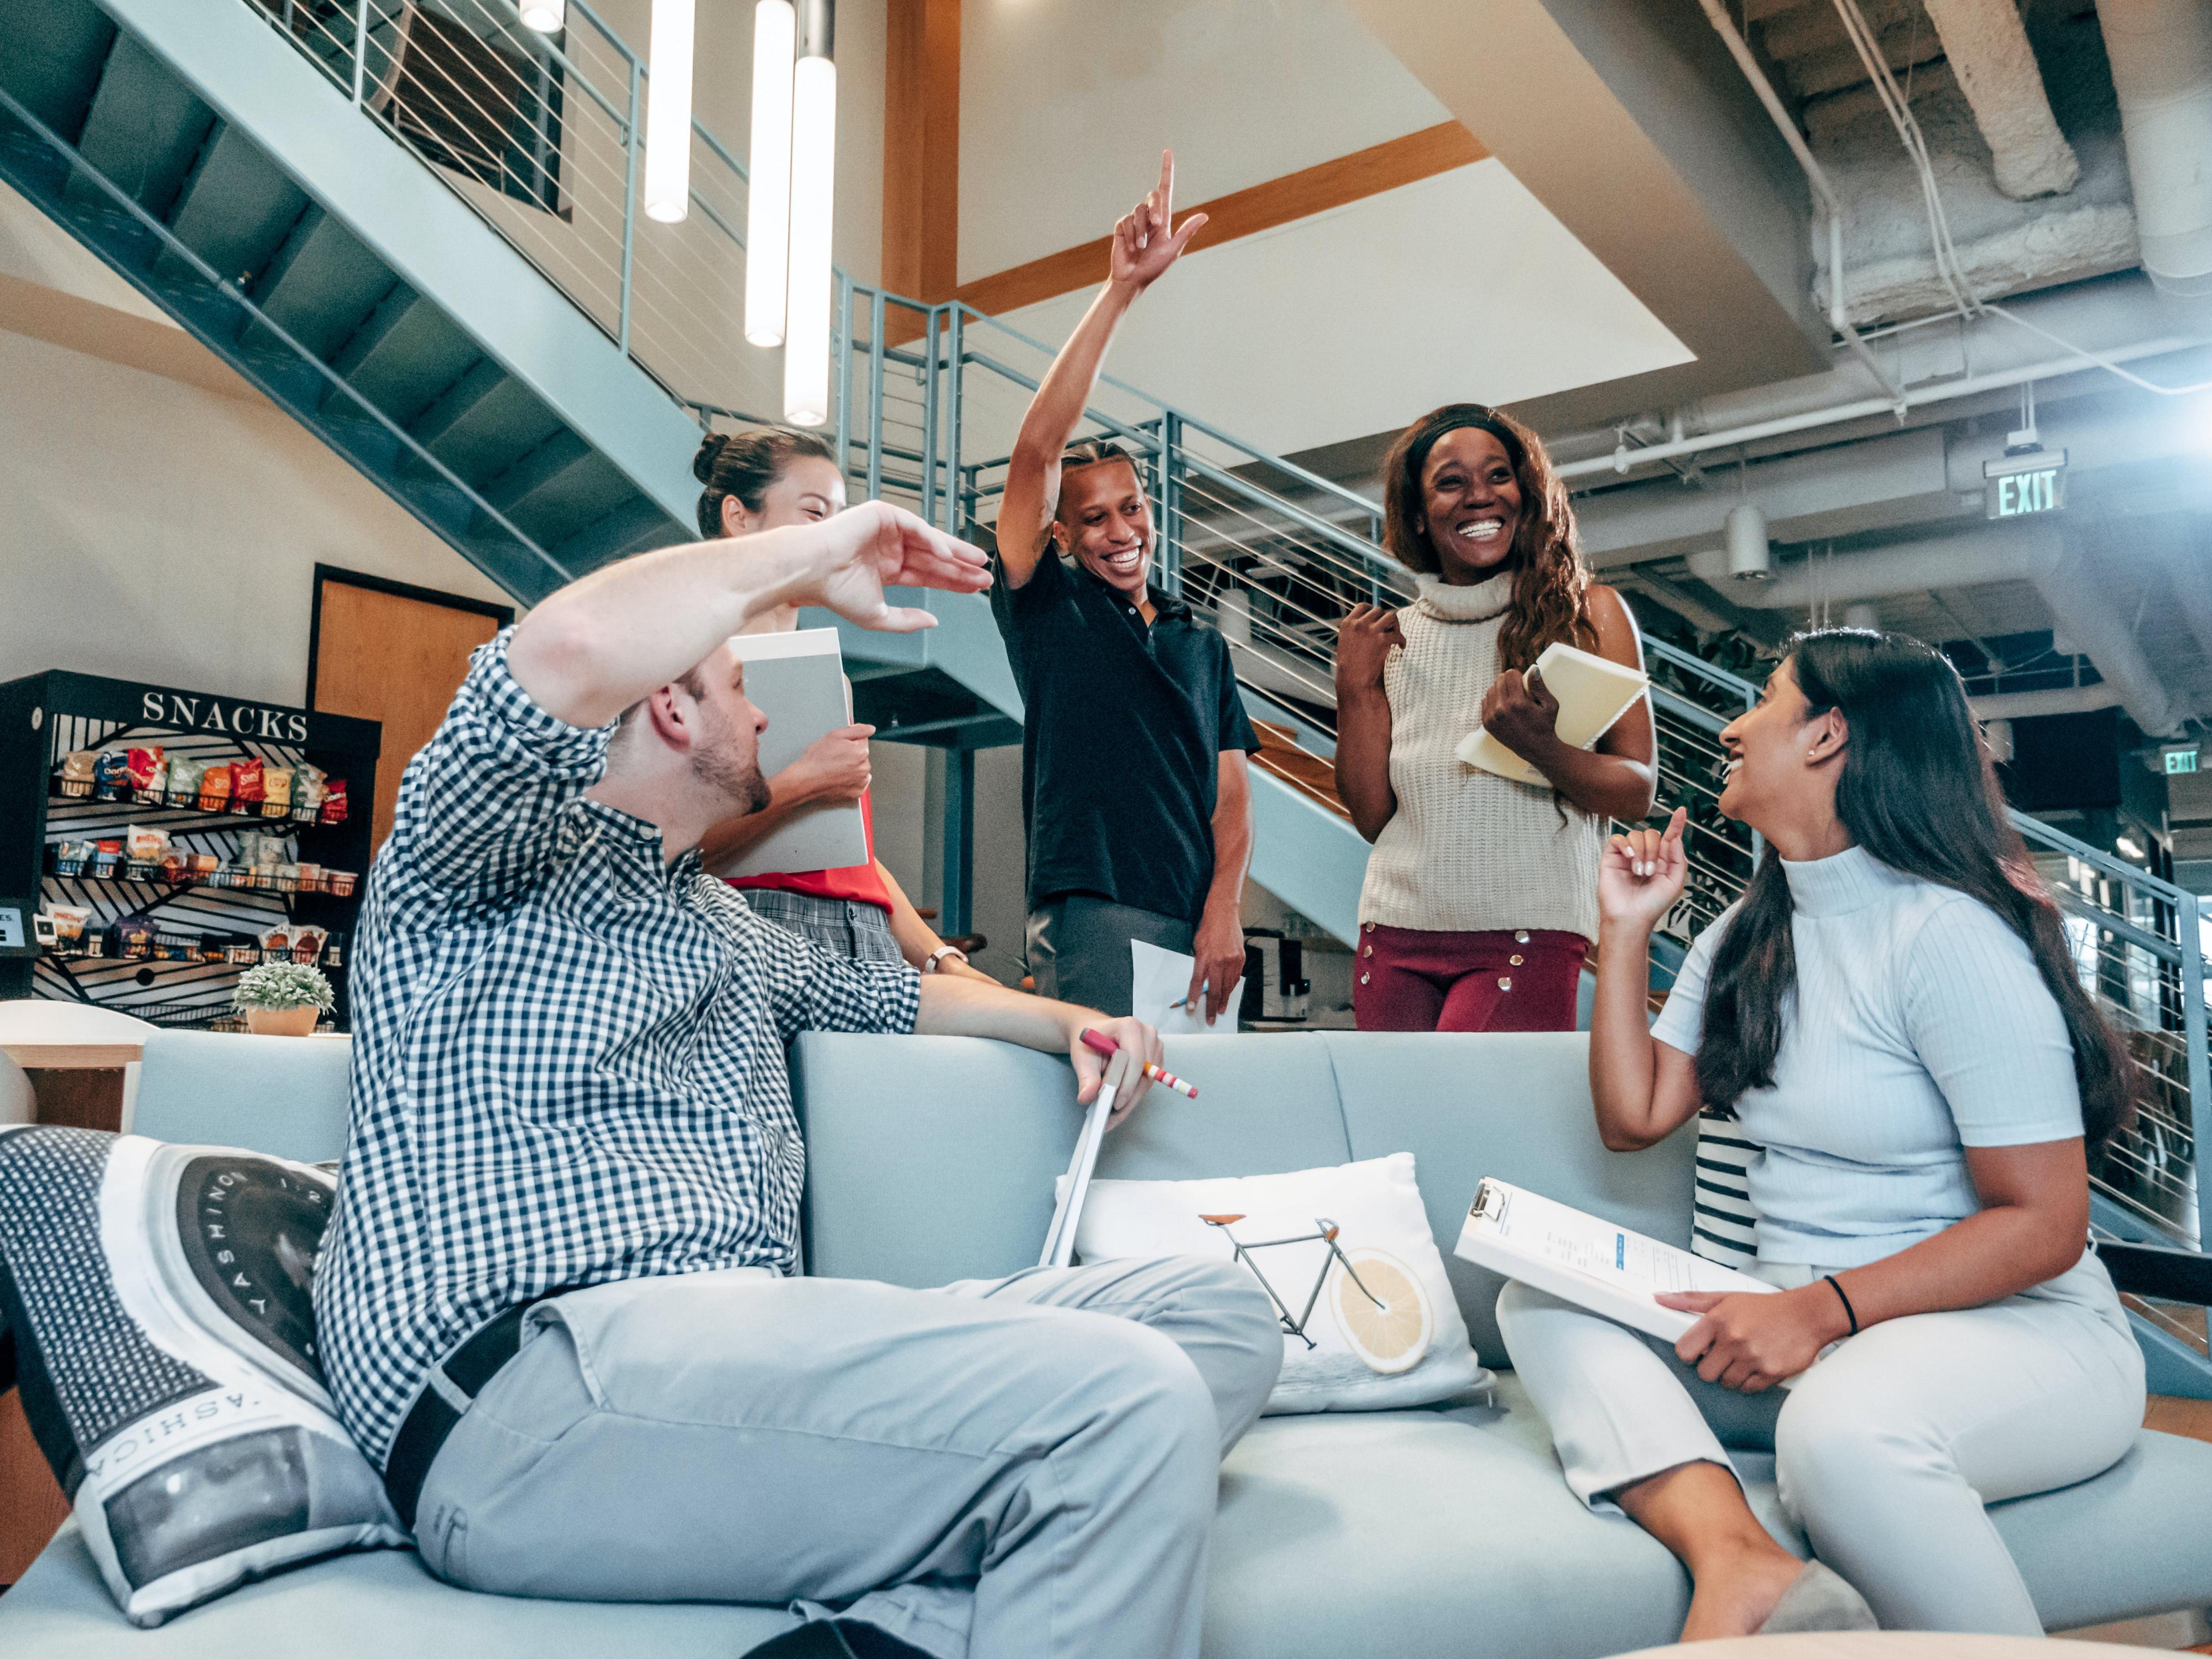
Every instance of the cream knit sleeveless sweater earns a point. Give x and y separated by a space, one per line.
1468 851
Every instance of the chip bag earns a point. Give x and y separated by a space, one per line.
248 786
214 788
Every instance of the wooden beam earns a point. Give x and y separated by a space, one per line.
1296 195
921 149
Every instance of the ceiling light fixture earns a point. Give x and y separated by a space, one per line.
546 16
813 199
768 203
668 112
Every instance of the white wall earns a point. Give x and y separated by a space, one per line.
158 532
1065 106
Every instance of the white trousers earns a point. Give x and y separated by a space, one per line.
1885 1451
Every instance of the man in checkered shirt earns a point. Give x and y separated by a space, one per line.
555 1303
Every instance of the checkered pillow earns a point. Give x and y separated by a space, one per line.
158 1301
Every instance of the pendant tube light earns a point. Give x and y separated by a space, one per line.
813 186
668 112
768 203
546 16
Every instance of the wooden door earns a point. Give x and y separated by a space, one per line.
384 651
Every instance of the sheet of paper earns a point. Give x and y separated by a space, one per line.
1162 980
1587 1261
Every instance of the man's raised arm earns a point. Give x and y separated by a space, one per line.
1143 249
604 641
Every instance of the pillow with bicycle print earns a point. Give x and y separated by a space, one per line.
1369 1321
156 1300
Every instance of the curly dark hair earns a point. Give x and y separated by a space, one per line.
1551 585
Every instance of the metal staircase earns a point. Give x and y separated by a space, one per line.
414 224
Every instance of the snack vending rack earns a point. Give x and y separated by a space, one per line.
165 937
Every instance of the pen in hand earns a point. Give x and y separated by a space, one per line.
1099 1043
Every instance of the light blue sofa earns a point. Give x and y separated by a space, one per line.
1444 1531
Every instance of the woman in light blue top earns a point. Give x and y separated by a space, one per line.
1892 1014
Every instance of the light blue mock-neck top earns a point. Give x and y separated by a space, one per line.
1920 1026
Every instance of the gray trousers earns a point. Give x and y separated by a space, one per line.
1017 1467
1078 950
1885 1451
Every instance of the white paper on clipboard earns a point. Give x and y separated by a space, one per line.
1160 980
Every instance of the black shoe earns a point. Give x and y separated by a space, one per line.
838 1640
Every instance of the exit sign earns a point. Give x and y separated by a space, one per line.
2180 761
2019 485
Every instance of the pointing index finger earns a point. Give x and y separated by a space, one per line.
1167 176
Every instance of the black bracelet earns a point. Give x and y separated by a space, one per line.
1849 1312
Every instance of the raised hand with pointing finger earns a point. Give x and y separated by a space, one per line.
1641 874
1143 244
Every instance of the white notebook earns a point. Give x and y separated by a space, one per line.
1593 691
798 680
1554 1248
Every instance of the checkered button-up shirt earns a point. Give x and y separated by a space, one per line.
569 1055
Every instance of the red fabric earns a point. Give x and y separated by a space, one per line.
860 884
1408 979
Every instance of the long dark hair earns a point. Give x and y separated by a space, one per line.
745 464
1918 792
1551 585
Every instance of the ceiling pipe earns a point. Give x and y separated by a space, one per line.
2030 553
1816 177
2161 58
1987 45
2030 705
2009 553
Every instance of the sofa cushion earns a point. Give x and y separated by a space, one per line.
1515 1105
382 1606
933 1158
283 1096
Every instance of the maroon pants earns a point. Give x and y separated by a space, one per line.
1408 979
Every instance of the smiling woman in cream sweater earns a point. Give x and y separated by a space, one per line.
1481 901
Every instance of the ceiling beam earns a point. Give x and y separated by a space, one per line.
921 149
1632 126
1297 194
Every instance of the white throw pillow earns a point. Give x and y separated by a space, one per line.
1398 1341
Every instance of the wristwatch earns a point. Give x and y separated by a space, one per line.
929 963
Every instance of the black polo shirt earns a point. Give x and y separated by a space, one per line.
1122 730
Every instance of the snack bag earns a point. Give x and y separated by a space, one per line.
106 857
334 802
158 785
76 772
185 779
214 788
248 783
309 787
277 783
307 944
146 844
174 869
277 943
69 919
141 764
111 774
134 936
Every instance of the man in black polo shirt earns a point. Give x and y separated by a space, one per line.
1134 790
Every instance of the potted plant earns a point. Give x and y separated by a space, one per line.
283 999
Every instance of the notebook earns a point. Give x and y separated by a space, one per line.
798 680
1554 1248
1593 692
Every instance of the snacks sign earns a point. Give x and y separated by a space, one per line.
243 719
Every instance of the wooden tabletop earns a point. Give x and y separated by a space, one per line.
37 1034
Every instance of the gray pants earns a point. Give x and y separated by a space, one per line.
1885 1451
844 928
1017 1467
1078 950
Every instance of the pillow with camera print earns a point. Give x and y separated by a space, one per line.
157 1297
1370 1322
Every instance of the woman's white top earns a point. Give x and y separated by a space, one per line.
1468 851
1920 1026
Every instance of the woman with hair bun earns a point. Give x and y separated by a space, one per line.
758 481
1481 901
